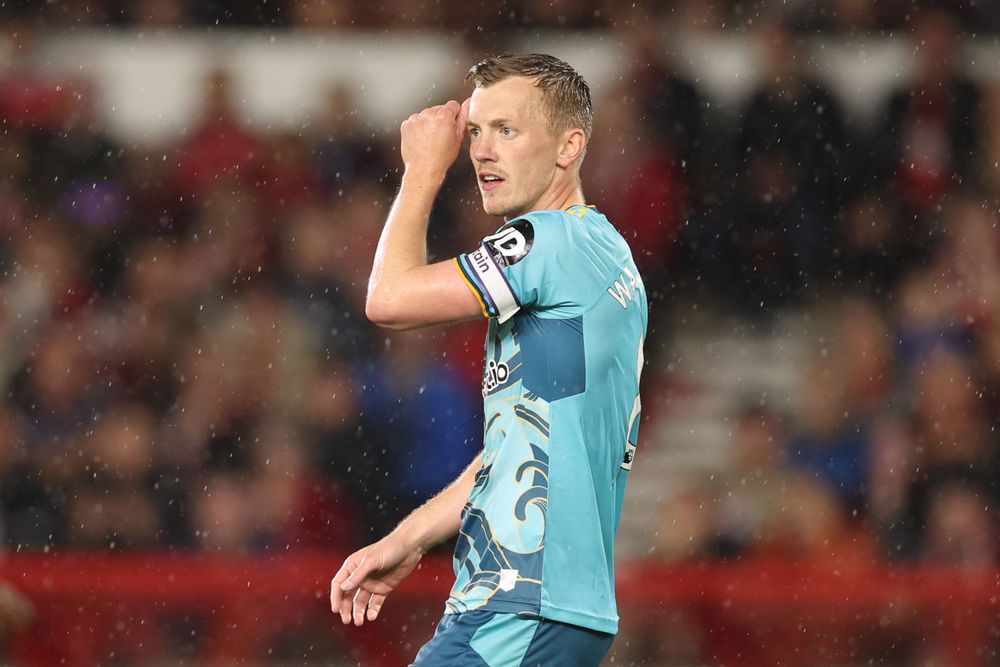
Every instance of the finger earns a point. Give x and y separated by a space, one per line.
339 603
344 603
345 610
334 595
463 116
338 589
375 605
361 599
336 592
365 567
452 107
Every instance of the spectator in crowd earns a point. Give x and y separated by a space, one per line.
771 234
929 129
333 426
114 500
686 528
793 120
767 506
423 426
985 167
953 435
640 181
341 144
846 387
323 14
829 441
157 14
872 246
961 527
77 163
753 491
891 466
669 104
816 527
220 150
754 249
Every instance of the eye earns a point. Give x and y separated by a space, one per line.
473 131
506 131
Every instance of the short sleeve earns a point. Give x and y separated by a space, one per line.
512 268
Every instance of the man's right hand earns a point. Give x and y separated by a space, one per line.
430 140
359 588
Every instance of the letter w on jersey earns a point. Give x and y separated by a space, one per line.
624 288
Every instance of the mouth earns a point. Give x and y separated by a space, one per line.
489 182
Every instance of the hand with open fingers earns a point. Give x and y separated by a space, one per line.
360 587
430 140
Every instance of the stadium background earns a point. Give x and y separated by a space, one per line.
198 422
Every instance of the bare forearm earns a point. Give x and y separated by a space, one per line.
403 244
440 517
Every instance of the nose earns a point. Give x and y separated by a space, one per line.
481 148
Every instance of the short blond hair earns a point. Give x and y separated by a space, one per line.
564 92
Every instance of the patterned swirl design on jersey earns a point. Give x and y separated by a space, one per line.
538 494
498 558
480 554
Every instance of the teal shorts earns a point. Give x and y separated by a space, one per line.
492 639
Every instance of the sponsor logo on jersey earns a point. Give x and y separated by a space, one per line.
494 375
511 244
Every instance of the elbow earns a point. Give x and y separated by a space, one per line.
384 313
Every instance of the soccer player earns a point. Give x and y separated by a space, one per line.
536 512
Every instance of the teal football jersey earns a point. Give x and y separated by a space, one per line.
568 317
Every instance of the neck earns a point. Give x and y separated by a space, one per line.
561 195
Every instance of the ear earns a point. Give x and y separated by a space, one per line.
571 146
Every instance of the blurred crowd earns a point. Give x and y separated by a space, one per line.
888 238
841 16
187 362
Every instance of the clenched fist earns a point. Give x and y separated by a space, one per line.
430 140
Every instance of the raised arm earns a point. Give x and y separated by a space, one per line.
359 588
404 292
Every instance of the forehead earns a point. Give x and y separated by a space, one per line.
515 98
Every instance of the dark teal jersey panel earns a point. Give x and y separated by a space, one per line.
554 364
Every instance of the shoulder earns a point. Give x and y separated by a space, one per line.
535 233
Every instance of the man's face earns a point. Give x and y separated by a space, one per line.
512 146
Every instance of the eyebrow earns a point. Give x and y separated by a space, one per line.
499 122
